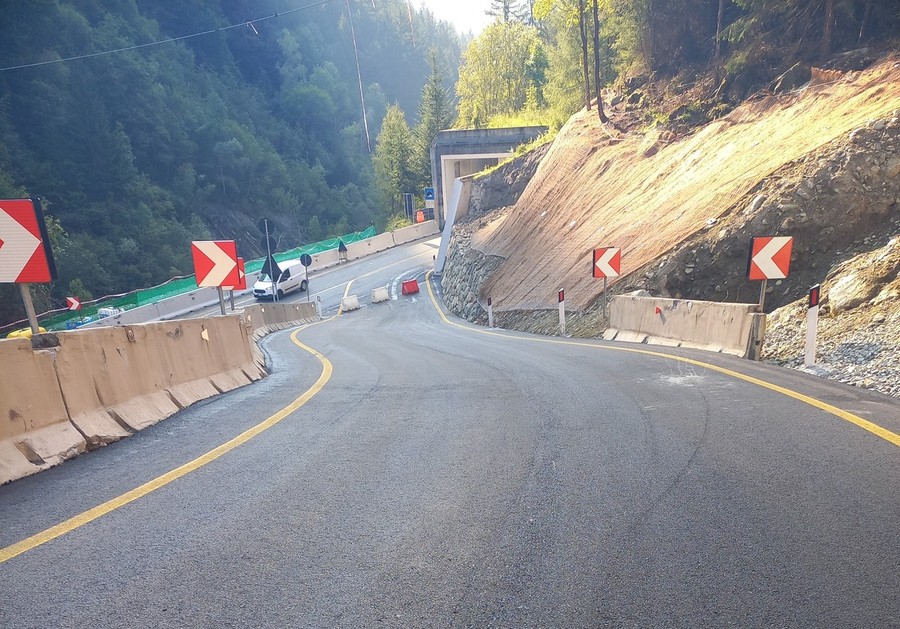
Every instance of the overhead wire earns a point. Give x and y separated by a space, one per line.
249 23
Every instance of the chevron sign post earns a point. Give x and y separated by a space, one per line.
770 259
241 285
607 263
216 264
25 254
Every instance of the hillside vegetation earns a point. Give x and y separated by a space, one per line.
254 111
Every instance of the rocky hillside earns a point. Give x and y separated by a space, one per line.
683 209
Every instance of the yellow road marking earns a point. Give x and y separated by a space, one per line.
865 424
161 481
139 492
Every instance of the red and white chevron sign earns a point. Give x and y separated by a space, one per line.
770 257
73 303
25 254
215 262
607 262
242 275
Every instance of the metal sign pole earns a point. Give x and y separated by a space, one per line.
231 292
221 299
307 283
490 313
25 289
605 303
762 296
269 260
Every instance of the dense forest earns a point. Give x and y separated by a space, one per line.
542 60
143 125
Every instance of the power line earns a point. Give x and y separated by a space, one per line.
168 41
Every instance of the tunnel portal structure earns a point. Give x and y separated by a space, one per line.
458 153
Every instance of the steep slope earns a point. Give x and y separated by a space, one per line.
648 193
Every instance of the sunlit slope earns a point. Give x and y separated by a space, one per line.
592 190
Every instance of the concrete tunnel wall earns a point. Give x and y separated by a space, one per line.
466 147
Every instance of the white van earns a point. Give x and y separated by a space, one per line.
292 278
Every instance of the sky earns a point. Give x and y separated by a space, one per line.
465 15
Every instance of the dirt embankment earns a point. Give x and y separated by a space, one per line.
647 193
821 164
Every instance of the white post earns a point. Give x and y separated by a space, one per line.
812 325
562 312
490 314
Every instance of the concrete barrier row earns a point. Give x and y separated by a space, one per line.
86 388
262 319
720 327
203 297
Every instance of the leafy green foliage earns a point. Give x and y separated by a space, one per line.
503 71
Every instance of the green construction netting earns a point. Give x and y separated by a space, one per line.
179 285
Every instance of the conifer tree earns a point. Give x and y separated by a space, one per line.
392 160
435 114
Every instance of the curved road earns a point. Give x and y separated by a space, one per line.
428 473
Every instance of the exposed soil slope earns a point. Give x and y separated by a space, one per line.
649 193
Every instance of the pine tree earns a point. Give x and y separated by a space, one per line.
510 11
392 160
435 114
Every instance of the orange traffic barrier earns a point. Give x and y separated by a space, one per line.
420 216
410 287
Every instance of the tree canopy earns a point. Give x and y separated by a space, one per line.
138 152
580 45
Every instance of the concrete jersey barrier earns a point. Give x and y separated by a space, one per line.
179 305
35 432
720 327
90 387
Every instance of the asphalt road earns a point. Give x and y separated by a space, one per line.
447 475
327 285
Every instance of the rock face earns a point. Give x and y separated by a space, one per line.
859 323
842 205
837 202
503 186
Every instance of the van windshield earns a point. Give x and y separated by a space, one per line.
264 278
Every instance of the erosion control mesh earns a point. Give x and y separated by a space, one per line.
180 285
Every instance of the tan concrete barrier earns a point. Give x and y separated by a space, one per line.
119 380
720 327
261 319
414 232
366 247
95 386
35 432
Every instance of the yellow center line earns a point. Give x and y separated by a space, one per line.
161 481
92 514
865 424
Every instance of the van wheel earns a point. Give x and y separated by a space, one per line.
280 294
303 285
